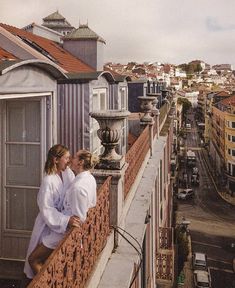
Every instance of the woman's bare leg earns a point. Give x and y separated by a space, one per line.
38 257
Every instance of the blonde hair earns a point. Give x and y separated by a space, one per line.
90 160
55 152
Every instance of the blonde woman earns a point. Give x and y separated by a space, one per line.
80 196
57 179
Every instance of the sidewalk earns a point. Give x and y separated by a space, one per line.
222 191
187 270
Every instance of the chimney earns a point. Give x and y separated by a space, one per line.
86 45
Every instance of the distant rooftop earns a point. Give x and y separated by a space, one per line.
54 16
55 21
84 32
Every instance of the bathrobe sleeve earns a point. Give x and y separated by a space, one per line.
47 203
83 195
79 202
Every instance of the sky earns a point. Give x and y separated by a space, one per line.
169 31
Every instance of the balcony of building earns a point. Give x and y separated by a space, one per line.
165 257
80 258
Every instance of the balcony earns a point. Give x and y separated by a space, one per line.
71 264
165 256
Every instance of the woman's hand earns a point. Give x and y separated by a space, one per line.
74 222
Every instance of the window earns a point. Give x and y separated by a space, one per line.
233 124
123 98
229 151
233 138
233 152
229 137
99 102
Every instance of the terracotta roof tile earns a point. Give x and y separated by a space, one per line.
62 58
5 55
228 101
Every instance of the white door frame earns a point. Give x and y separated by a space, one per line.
48 136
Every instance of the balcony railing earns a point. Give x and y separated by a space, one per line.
135 157
71 264
165 255
165 237
165 266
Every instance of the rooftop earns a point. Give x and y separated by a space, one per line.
51 50
83 32
54 16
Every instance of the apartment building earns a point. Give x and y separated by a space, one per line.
48 95
222 141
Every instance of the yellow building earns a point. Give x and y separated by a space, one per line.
222 140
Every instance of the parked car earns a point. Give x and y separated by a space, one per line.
199 261
185 194
202 278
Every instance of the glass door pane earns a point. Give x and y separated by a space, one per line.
23 153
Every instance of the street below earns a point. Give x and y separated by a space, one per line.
212 219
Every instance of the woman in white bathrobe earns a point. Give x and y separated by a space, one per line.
50 202
80 196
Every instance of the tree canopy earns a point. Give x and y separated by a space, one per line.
191 68
185 103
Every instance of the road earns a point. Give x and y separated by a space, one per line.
212 226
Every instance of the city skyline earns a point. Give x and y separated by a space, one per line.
168 32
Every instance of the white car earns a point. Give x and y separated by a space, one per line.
199 261
185 194
202 278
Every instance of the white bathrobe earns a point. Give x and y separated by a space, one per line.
80 196
50 202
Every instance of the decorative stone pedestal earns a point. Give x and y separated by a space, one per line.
164 93
111 163
110 122
146 106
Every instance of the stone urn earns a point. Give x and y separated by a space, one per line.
146 105
155 102
110 122
164 93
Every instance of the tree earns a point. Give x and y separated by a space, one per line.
186 105
183 246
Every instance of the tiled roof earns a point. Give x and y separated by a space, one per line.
4 55
50 49
83 32
228 101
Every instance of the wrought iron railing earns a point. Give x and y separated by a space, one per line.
70 264
135 157
165 237
165 255
165 266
